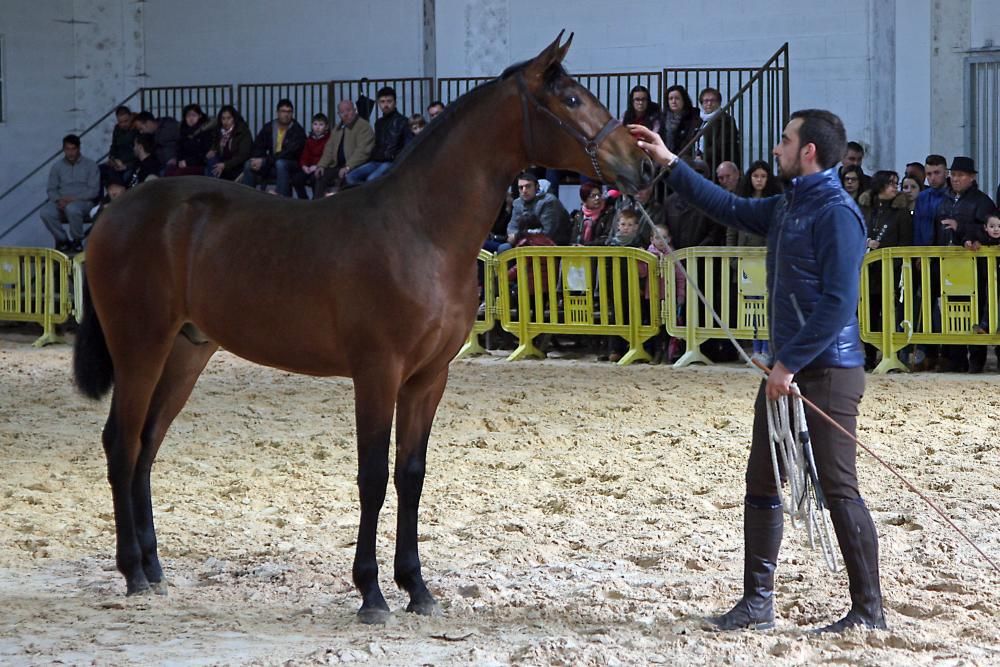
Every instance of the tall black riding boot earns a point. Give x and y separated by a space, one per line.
762 530
859 546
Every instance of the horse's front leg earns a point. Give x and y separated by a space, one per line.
374 405
417 404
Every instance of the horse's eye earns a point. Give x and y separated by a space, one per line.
572 101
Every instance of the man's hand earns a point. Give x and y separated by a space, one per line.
779 382
973 245
950 223
256 162
63 201
117 164
652 143
873 244
511 238
217 170
342 174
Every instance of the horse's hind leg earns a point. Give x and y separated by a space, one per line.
374 399
417 403
185 363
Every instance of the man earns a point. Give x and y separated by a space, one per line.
960 217
147 166
546 207
120 155
392 131
924 213
166 132
435 109
854 155
74 185
349 147
689 226
276 151
721 141
817 234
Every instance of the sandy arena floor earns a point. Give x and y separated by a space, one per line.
574 513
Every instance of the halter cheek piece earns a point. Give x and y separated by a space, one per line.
590 146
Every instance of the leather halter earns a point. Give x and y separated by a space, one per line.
590 146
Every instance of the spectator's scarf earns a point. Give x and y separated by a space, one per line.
225 137
590 216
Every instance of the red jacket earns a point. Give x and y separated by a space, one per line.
313 150
538 240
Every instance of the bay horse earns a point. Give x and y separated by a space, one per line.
377 283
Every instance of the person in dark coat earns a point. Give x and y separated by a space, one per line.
231 145
276 151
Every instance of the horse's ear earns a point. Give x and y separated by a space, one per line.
564 49
550 55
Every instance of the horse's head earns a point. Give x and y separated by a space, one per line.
566 127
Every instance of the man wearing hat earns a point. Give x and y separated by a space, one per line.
959 216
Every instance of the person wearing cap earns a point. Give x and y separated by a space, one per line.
815 245
961 216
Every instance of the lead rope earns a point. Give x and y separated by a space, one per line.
764 371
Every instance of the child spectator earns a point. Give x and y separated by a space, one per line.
626 235
194 143
530 234
626 232
417 123
986 236
665 348
311 154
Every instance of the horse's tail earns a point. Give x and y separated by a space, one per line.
92 367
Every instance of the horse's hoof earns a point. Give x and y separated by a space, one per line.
138 588
424 608
159 587
373 616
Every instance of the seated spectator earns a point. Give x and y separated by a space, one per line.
727 175
642 110
435 109
688 225
592 224
120 155
147 166
73 187
392 131
911 187
850 178
231 145
350 145
166 133
194 143
113 191
854 155
721 140
680 121
312 153
759 182
276 151
417 123
548 209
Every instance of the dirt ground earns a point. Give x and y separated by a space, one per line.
574 513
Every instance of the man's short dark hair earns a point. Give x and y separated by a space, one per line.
144 116
285 102
527 176
121 110
919 165
386 91
825 131
936 160
72 140
147 141
856 147
436 103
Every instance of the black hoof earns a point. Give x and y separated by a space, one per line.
373 616
424 608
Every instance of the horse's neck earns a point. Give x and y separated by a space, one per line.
464 171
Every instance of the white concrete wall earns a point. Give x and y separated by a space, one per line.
985 24
913 81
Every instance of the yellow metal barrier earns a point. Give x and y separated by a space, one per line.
929 295
487 317
733 281
577 290
34 287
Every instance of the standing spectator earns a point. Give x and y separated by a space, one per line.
758 183
911 187
850 179
312 153
721 140
916 171
642 110
680 121
548 209
728 176
688 225
276 151
147 166
194 144
925 210
350 145
231 145
961 216
166 133
120 155
392 131
592 224
888 223
435 109
74 185
664 347
854 155
625 235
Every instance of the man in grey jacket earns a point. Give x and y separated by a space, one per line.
548 209
74 186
